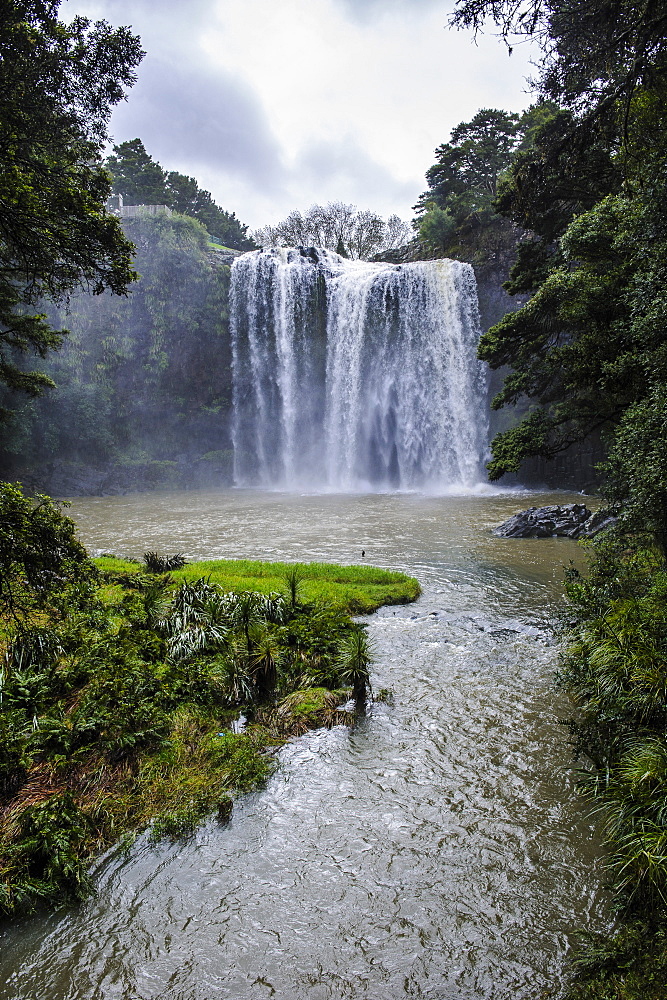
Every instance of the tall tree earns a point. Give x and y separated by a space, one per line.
587 350
136 175
142 181
355 233
463 182
58 84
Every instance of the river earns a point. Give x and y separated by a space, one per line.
436 850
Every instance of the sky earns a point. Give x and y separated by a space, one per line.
275 105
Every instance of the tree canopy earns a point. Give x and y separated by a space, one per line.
142 181
587 351
58 85
464 181
593 54
349 231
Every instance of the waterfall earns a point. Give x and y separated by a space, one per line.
349 375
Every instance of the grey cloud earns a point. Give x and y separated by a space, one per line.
348 171
188 115
367 10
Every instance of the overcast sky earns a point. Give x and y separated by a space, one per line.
279 104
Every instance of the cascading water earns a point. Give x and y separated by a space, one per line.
353 375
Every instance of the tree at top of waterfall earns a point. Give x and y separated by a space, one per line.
356 233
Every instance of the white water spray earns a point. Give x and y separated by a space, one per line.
350 375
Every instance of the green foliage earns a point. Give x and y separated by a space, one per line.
138 378
58 84
355 589
353 662
436 227
39 552
155 563
141 181
311 708
592 54
588 347
632 965
136 175
293 580
614 668
465 177
114 717
588 351
46 858
636 470
464 181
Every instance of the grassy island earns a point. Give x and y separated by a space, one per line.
122 686
357 590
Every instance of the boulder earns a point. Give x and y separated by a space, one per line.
572 520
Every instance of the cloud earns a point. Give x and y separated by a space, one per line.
348 173
201 116
276 105
369 10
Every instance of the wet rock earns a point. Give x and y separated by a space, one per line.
573 520
598 521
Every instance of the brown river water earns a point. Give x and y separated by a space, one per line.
436 850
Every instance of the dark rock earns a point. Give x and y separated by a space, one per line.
572 520
564 520
597 522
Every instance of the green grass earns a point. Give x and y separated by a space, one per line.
355 589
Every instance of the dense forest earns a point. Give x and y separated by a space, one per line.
584 184
573 189
143 388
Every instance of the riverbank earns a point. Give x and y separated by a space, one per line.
613 668
437 821
121 700
357 590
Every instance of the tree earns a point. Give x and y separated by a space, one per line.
39 552
58 84
465 180
594 55
136 175
636 469
587 351
465 176
142 181
359 234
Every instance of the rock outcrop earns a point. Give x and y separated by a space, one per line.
573 520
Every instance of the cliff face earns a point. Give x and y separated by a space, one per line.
144 382
574 468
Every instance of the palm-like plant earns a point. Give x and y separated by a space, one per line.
293 578
197 620
353 663
264 660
